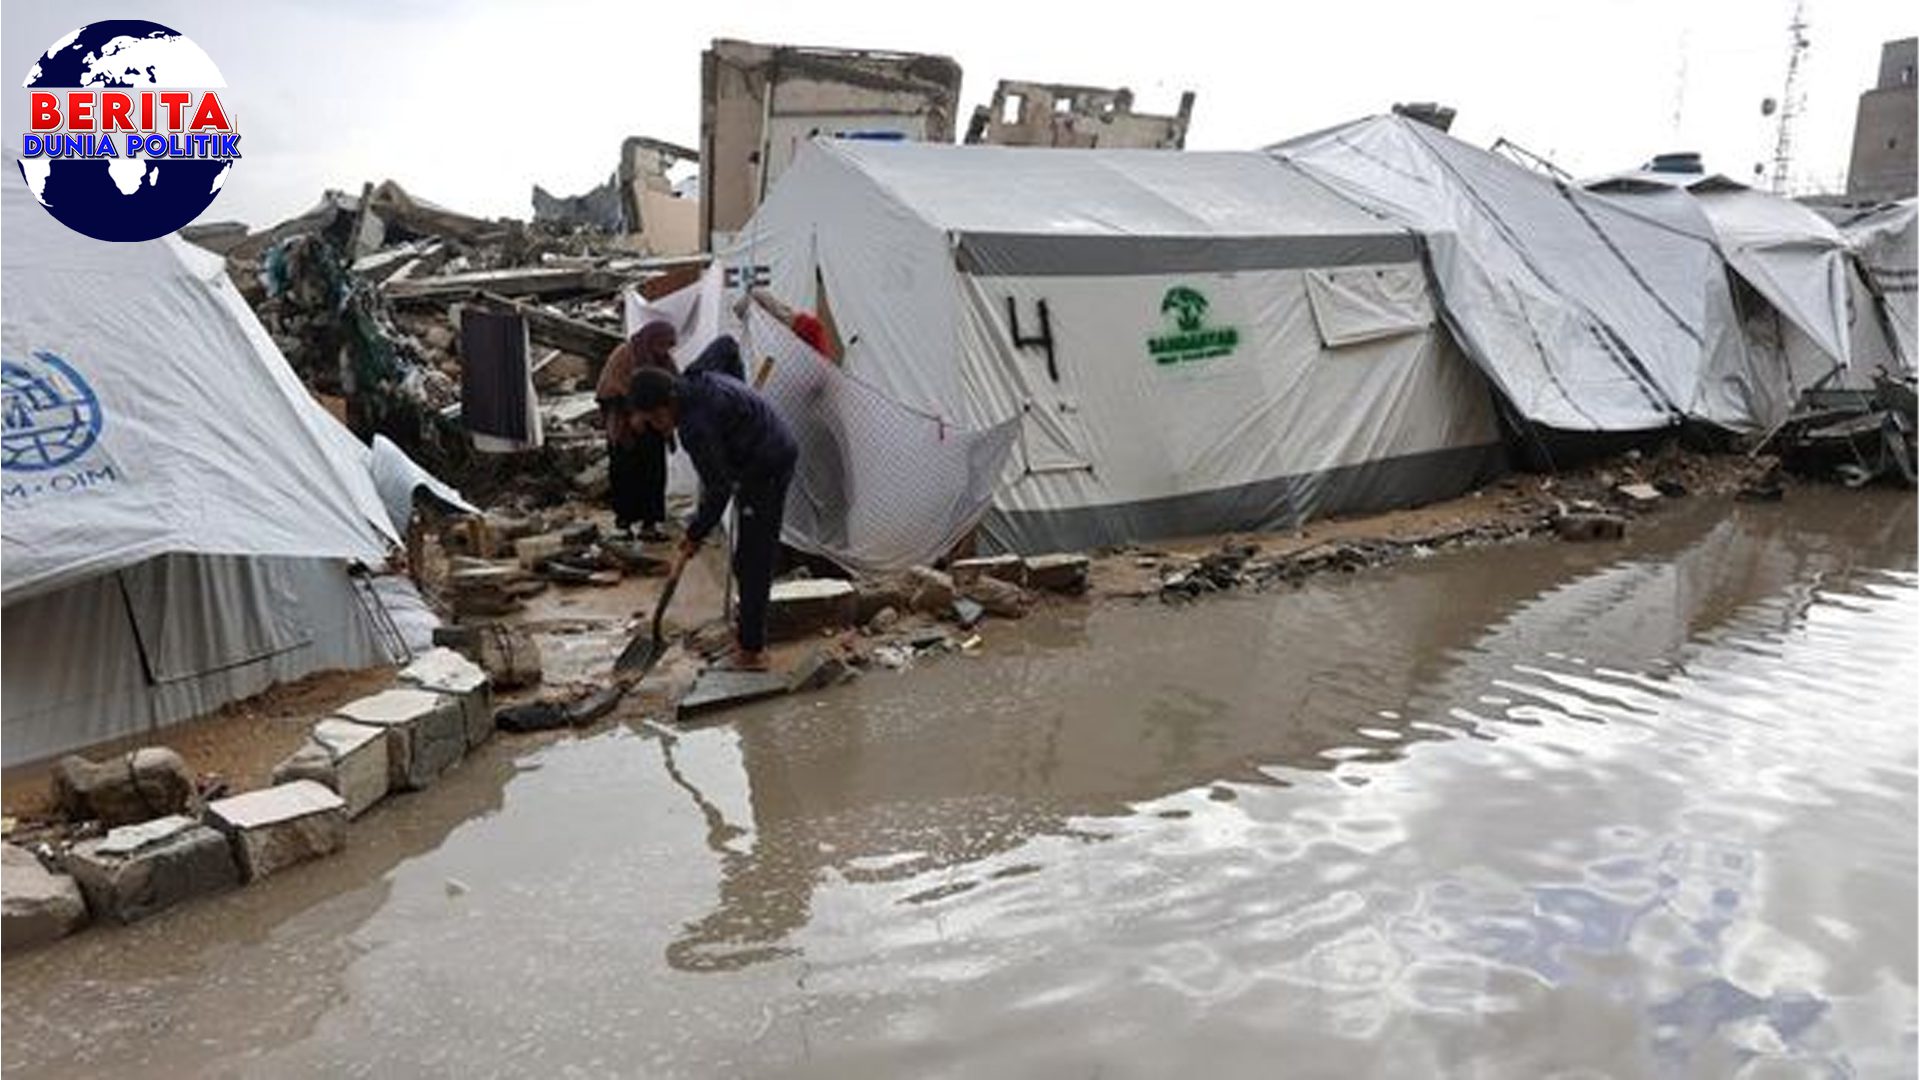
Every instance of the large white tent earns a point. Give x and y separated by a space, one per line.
179 515
1807 311
1589 314
1194 342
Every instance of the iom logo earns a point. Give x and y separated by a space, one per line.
51 415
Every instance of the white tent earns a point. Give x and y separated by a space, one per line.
1886 240
1587 314
1809 317
179 515
1195 342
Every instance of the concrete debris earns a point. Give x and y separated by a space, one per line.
277 827
508 654
1585 526
796 609
893 657
351 759
967 613
818 670
718 688
929 591
874 595
426 732
37 906
999 598
1009 568
140 870
147 783
1639 493
883 620
1065 573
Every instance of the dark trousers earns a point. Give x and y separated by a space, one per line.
762 499
637 473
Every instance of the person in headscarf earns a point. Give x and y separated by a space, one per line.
636 454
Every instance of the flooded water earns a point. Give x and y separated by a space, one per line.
1619 810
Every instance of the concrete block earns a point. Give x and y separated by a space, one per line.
931 592
140 870
351 759
798 608
1008 568
277 827
36 905
1581 527
447 672
534 550
999 598
1058 573
426 732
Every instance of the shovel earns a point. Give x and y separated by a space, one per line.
642 653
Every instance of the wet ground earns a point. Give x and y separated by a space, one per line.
1628 809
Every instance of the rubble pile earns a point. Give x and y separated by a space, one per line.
364 295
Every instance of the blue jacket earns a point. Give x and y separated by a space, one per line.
734 437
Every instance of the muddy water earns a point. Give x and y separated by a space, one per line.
1628 810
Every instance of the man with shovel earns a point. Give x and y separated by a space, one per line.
743 451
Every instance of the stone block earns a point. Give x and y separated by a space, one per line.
277 827
1058 573
930 591
798 608
874 595
148 783
140 870
1589 526
1008 568
351 759
999 598
534 550
447 672
36 904
426 732
509 655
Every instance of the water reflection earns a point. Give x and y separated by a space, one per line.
1633 809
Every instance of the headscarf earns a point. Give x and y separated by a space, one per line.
721 355
650 346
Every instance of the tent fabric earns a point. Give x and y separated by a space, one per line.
878 487
1145 315
400 481
1586 315
1887 243
147 413
129 651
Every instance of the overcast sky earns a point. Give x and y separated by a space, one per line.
471 103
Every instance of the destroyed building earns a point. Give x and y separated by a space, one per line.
639 202
1058 114
759 103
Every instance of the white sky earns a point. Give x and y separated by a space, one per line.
471 103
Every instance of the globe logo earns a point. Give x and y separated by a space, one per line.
122 146
48 414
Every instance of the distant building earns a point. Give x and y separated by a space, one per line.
759 103
1883 130
1056 114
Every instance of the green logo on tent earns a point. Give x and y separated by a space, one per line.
1192 339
